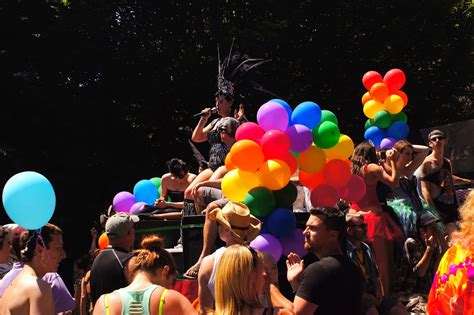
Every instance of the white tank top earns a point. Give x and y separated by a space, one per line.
217 256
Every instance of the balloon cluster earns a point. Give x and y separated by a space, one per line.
145 192
267 153
383 105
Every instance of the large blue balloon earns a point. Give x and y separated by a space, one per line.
307 113
281 222
287 108
29 199
145 191
398 130
375 134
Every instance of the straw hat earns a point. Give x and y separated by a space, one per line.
236 218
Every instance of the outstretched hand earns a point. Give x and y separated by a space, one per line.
295 267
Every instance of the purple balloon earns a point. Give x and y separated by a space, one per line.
301 137
272 115
269 244
137 206
123 201
294 244
387 143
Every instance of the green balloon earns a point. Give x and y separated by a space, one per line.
327 115
326 135
401 116
285 197
382 119
369 123
260 201
156 181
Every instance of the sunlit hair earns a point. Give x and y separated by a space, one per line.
401 145
364 154
237 280
466 234
152 256
29 239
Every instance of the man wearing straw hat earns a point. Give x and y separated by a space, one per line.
236 226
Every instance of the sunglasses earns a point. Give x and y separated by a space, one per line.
436 139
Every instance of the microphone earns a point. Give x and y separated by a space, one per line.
212 111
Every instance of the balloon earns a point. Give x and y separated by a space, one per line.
369 123
382 119
281 222
366 97
229 165
286 157
354 190
272 115
310 180
103 241
137 207
312 160
308 114
342 150
387 143
371 108
249 131
324 195
145 191
398 130
29 199
294 243
269 244
336 173
393 104
123 201
375 134
326 135
400 116
260 201
300 136
327 115
156 181
370 78
379 92
285 197
287 107
236 184
274 142
247 155
403 95
274 174
394 79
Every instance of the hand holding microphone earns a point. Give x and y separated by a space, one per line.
206 112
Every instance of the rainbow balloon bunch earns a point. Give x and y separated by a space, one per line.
266 155
383 105
145 192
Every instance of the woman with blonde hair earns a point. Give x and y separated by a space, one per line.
452 291
152 272
240 277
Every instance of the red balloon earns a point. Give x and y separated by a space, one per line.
311 180
287 157
403 95
337 173
275 142
249 131
324 196
370 78
394 79
354 190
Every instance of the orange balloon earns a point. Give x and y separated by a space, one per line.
311 180
274 174
379 92
312 160
228 162
103 241
247 155
366 97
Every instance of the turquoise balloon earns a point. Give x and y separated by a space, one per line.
145 191
156 181
326 135
29 199
327 115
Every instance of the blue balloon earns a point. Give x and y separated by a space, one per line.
375 134
308 114
145 191
281 222
29 199
286 106
398 130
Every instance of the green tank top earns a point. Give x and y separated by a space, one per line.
137 302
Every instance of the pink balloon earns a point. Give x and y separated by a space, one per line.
354 189
123 201
275 142
272 115
294 243
301 137
135 209
324 195
249 131
269 244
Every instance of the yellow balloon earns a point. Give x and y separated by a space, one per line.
372 107
393 104
236 184
312 160
342 150
274 174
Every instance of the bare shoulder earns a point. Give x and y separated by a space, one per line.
427 166
166 177
206 267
